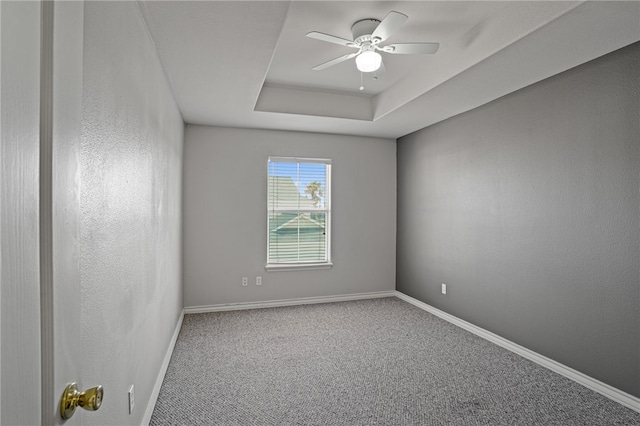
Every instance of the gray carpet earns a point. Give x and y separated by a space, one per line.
369 362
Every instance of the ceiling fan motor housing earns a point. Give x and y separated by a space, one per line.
363 29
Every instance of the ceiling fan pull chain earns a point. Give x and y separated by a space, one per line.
361 83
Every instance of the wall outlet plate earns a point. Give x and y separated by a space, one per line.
444 289
245 281
258 280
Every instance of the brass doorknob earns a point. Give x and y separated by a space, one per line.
91 399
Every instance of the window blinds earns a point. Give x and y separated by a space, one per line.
299 210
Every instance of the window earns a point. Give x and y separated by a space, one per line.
298 213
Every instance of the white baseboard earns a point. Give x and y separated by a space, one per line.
163 370
610 392
286 302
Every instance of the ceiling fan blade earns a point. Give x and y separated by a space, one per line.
389 24
411 48
331 39
335 61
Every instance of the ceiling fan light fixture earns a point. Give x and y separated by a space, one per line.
367 36
368 61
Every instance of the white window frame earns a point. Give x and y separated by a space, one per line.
297 266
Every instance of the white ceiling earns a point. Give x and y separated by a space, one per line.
248 64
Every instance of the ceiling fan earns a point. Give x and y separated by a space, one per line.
367 36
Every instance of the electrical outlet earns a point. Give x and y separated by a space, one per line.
131 400
245 281
258 280
444 289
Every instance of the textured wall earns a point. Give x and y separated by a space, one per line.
130 162
225 206
527 208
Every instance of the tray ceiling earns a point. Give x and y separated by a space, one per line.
248 64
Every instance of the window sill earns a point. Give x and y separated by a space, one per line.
276 267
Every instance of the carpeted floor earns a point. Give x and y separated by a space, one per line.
369 362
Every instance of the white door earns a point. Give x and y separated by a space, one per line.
19 267
40 110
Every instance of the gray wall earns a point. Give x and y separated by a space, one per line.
225 207
130 180
527 207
